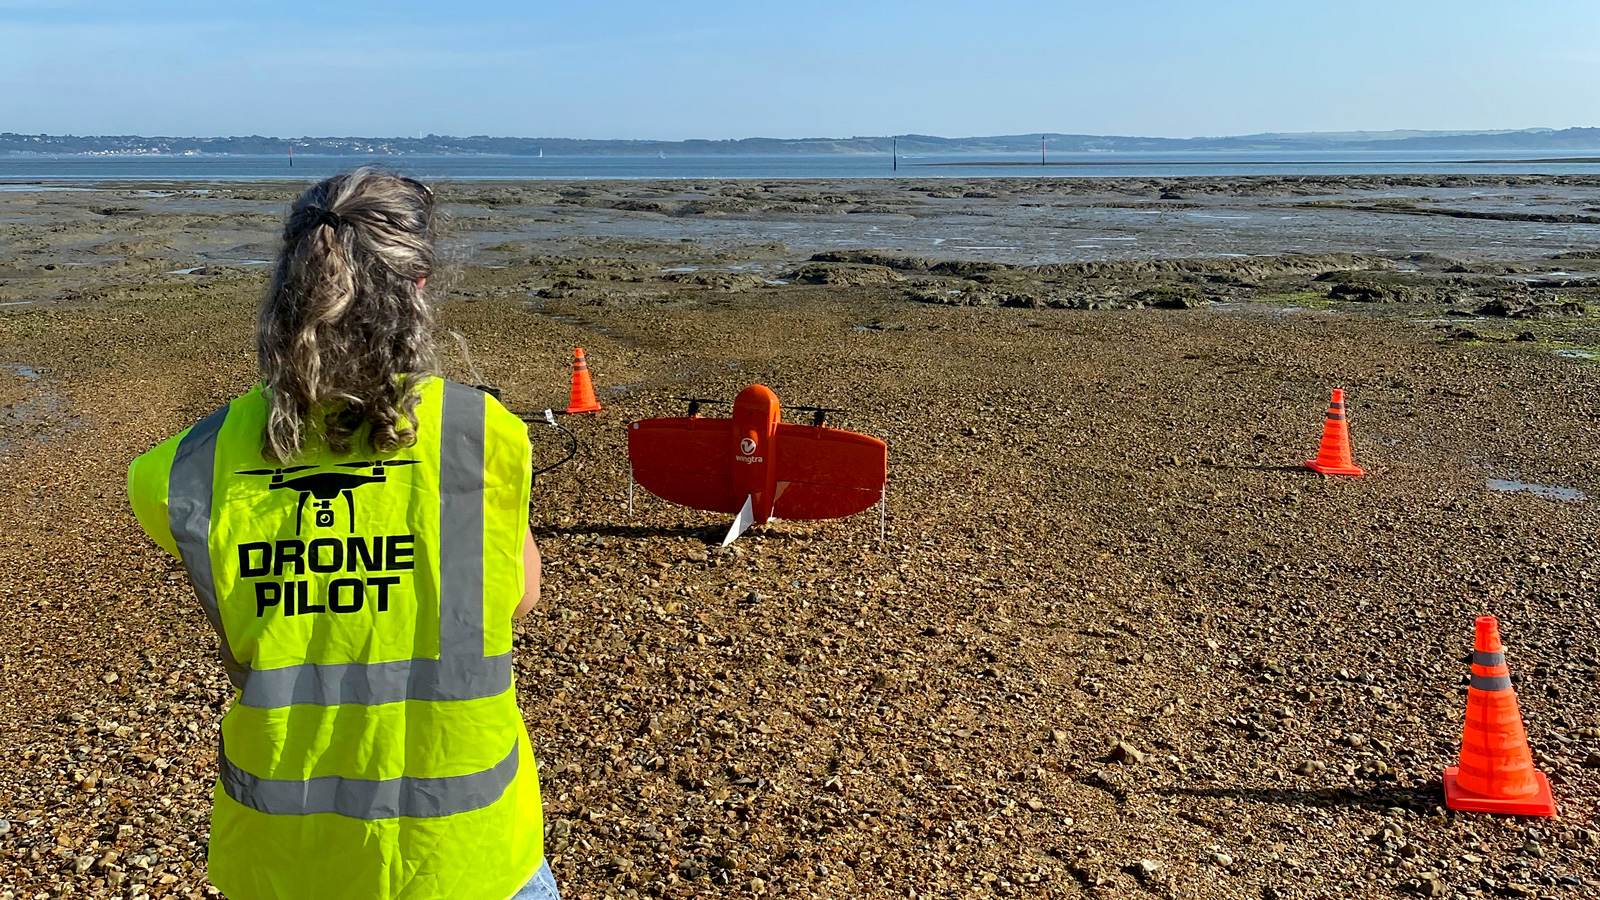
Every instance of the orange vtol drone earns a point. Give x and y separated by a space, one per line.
755 466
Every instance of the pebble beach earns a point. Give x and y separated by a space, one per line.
1118 641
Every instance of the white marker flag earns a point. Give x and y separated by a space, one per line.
741 522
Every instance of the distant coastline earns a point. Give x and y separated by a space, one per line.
1538 140
1232 162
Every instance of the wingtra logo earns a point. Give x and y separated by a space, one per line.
747 449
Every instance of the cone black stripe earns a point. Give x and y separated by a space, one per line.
1488 660
1492 682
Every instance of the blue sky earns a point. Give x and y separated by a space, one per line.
705 68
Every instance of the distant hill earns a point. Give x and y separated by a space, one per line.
1540 140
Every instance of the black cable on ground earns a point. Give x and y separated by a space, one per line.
549 419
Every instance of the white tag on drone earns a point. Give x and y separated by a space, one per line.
741 522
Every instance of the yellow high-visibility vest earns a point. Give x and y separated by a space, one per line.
375 748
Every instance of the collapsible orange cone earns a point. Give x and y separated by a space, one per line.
582 388
1333 457
1496 773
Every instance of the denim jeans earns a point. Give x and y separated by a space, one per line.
542 886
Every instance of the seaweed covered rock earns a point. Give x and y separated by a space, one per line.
874 258
967 294
717 281
843 274
1370 292
1172 296
1488 268
1021 300
1518 306
1367 287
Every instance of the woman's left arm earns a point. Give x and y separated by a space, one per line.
532 568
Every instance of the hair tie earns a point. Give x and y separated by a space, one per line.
327 217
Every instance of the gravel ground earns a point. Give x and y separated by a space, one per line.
1117 642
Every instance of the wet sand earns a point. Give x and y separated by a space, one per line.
1117 641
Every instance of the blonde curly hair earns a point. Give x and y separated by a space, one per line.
345 332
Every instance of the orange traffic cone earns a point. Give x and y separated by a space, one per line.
1496 773
1333 457
582 388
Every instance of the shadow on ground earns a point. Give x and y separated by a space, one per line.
1420 799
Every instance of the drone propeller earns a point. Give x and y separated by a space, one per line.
377 465
819 414
694 403
274 471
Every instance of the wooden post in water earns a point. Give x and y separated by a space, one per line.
1041 149
894 148
291 156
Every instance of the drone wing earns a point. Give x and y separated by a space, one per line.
827 473
685 460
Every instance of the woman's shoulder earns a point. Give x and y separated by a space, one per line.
256 396
499 419
499 422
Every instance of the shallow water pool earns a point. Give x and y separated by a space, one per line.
1548 492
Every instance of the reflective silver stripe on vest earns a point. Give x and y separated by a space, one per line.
189 518
368 798
1491 682
369 684
461 495
1488 660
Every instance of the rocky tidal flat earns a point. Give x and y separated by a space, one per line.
1118 642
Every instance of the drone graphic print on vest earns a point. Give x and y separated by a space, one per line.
328 486
368 563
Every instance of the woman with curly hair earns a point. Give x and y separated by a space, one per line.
355 529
